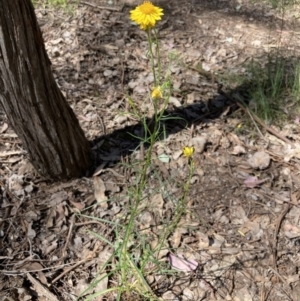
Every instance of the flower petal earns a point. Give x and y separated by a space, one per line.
146 15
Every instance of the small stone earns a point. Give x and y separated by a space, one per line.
29 188
199 143
107 73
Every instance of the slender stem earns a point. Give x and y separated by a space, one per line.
152 55
155 101
141 185
158 57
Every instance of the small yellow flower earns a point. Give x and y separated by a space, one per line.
146 15
188 151
156 93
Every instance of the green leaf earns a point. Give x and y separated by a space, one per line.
164 158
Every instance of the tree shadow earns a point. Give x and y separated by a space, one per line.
110 149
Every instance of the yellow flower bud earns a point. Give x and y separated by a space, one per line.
156 93
188 151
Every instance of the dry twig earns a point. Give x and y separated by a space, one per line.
41 290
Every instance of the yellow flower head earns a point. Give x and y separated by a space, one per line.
146 15
156 93
188 151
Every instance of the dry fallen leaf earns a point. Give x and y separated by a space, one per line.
203 240
60 212
291 231
58 198
179 263
243 295
30 232
99 192
238 150
145 221
238 215
290 152
78 206
217 268
36 267
260 160
157 202
252 182
253 227
15 182
176 237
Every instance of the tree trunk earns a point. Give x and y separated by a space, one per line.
34 105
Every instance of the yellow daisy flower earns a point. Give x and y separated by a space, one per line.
188 151
156 93
146 15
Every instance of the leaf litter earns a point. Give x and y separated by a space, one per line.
239 237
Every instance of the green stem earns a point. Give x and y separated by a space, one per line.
152 55
141 185
158 57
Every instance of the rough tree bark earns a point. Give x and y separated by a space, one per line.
34 105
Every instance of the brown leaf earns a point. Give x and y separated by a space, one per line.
35 266
99 192
79 206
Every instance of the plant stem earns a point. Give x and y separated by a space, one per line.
158 57
152 55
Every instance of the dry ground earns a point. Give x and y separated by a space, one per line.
242 231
